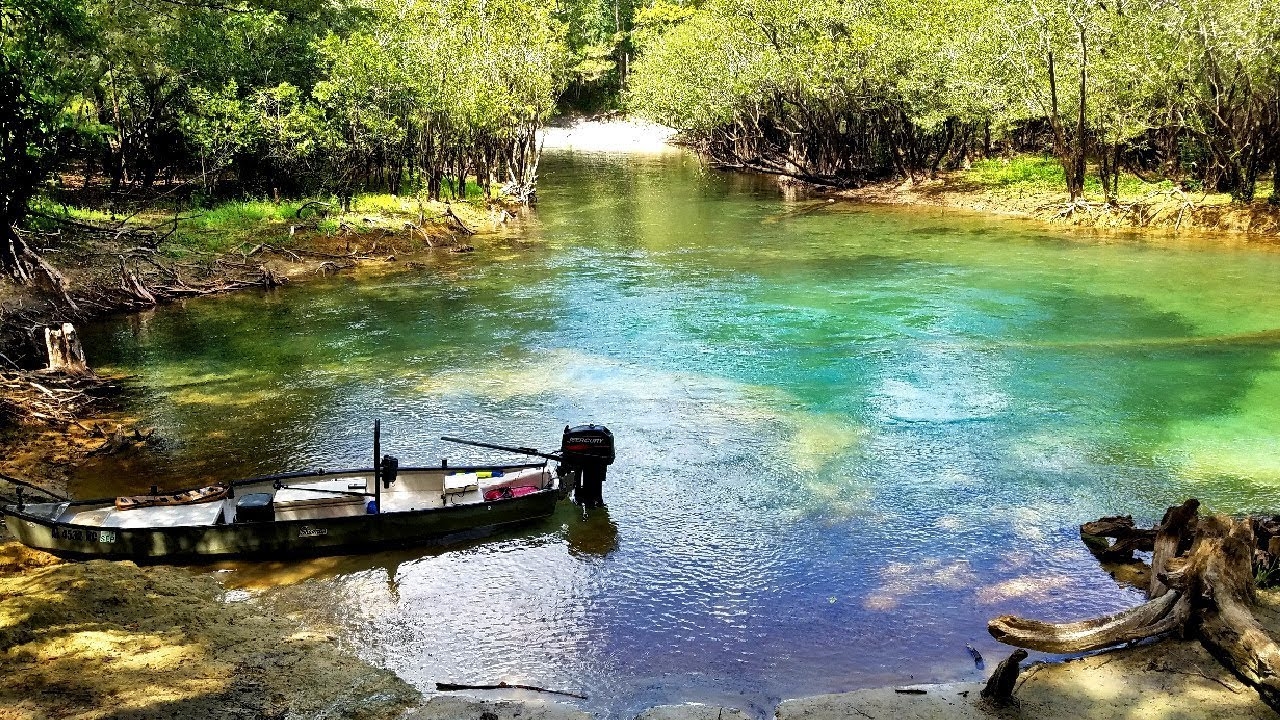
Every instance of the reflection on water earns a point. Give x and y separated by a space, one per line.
847 436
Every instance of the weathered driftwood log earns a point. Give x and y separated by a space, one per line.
1221 566
1128 538
66 354
1173 535
999 687
1155 617
1202 584
132 286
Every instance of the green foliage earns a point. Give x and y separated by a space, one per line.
1187 90
35 86
651 21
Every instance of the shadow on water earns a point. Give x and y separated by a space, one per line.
591 532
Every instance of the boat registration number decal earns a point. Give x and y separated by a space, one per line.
76 534
308 531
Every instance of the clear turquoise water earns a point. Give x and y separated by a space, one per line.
848 436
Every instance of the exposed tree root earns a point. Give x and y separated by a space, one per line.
1202 584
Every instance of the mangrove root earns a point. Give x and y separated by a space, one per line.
1203 572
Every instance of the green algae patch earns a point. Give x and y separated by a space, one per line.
110 639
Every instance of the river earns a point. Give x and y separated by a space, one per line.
848 436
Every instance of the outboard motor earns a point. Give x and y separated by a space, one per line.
588 450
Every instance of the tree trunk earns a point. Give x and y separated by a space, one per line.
1275 183
1062 148
1081 129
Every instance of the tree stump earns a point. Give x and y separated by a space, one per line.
1202 585
999 687
66 354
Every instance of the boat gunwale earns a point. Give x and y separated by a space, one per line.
5 510
202 558
295 474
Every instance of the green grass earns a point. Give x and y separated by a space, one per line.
1040 173
46 207
226 225
1026 172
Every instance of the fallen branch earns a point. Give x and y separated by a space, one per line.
507 686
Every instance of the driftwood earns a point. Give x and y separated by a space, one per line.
1202 585
999 687
1121 529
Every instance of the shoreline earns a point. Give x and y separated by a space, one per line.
52 421
1160 212
1170 214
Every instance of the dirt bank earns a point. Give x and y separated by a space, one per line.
109 639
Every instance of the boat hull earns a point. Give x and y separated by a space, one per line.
279 539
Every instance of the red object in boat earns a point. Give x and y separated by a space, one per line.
506 493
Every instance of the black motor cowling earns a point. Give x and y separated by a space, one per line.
589 450
585 445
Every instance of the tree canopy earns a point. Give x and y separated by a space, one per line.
843 91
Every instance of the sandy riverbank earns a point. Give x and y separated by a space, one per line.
611 136
112 640
1169 680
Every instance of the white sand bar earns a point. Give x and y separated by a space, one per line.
611 136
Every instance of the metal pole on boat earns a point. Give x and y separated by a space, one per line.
377 457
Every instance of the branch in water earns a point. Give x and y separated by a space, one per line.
506 686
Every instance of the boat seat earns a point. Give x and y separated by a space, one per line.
458 484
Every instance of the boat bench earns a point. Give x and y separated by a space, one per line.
458 484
